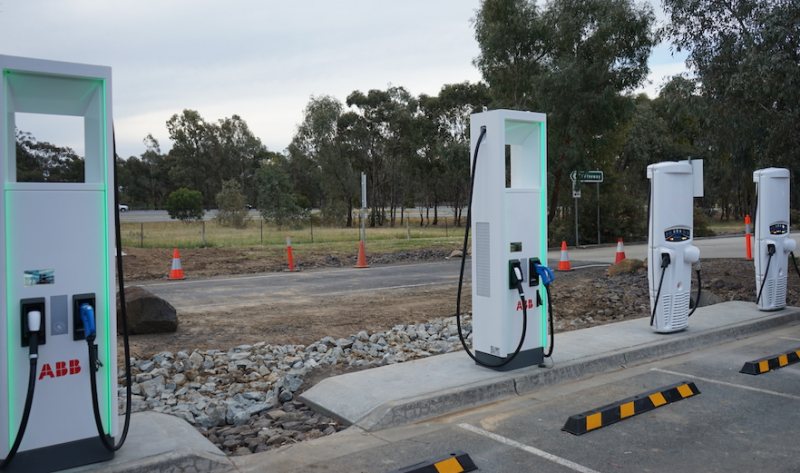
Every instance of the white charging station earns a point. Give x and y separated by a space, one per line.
772 240
58 250
509 228
671 234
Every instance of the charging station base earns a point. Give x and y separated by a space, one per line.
525 358
60 457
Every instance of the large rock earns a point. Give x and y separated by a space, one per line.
708 298
626 266
147 313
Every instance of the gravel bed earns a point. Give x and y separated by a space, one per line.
244 399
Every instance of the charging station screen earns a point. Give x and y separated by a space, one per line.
677 234
778 229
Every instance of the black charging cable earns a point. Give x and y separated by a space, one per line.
665 261
794 262
94 362
699 290
770 252
33 356
461 276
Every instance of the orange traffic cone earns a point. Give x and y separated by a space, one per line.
289 253
177 271
564 264
362 256
620 251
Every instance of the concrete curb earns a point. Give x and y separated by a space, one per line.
496 386
409 410
161 442
651 352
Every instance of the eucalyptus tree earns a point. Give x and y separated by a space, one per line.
572 59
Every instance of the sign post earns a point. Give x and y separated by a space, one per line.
586 176
576 194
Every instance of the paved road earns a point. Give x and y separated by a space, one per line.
243 291
737 423
717 247
145 216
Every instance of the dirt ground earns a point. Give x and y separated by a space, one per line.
581 298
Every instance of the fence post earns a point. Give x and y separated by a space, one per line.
311 221
262 230
446 231
204 232
141 234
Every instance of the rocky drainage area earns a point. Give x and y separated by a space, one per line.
243 399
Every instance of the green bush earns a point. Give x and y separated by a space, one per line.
701 224
185 204
231 204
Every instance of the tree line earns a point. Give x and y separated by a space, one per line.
579 62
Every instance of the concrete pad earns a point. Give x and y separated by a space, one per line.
407 392
161 442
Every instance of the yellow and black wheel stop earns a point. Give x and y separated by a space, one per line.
594 419
454 463
770 363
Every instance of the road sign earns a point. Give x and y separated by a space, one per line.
576 194
589 176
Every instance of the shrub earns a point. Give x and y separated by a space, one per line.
231 204
185 204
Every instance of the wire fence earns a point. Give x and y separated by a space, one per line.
259 232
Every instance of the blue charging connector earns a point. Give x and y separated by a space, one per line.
546 274
87 318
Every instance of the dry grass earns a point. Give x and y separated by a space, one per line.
258 233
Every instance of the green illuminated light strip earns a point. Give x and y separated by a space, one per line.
543 216
106 271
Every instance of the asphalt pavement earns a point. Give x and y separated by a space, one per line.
737 423
243 291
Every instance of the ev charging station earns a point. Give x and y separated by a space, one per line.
772 241
57 260
509 228
671 234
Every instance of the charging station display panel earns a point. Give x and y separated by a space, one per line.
509 219
57 241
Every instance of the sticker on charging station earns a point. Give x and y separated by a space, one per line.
35 277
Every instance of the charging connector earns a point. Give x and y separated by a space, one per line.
770 252
515 277
27 306
665 262
33 331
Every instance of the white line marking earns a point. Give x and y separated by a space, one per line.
790 338
598 265
732 385
535 451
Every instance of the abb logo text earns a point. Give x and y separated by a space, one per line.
62 368
529 304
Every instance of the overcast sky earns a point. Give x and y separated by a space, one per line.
261 60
